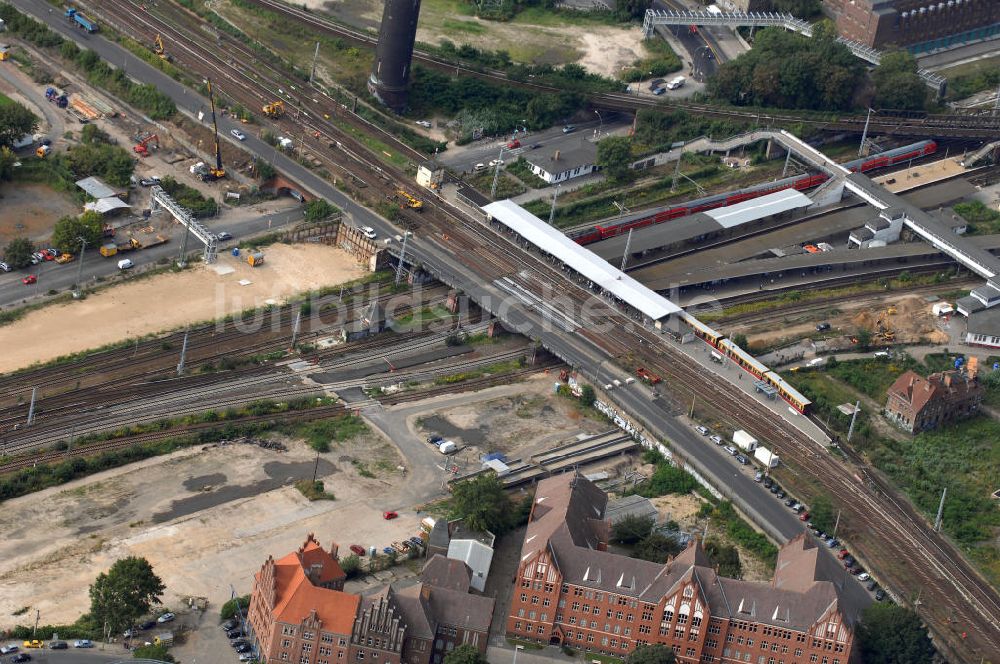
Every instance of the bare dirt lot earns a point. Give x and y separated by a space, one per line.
204 518
31 210
171 300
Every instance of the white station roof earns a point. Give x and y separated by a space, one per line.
758 208
580 259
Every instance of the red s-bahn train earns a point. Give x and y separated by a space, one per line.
799 182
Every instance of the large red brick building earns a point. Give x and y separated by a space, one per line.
300 613
570 590
921 25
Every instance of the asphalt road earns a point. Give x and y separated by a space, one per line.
53 276
71 655
465 158
571 348
702 48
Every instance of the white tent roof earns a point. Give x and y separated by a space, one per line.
580 259
758 208
95 187
106 205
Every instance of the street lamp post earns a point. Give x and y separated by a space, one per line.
516 648
79 271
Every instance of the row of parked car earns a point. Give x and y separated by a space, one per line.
15 649
718 440
238 640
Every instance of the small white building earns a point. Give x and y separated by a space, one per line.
878 232
477 556
571 161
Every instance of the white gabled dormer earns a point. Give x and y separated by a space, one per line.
626 585
594 576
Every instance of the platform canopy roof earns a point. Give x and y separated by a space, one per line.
580 259
759 208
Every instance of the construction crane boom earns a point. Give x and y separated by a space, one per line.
218 172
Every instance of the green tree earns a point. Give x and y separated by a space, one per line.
800 8
651 654
726 557
351 566
482 503
897 83
125 593
15 121
626 10
158 653
891 634
7 161
864 339
465 654
68 231
233 606
656 547
18 252
265 171
587 395
318 209
631 529
614 156
741 340
821 513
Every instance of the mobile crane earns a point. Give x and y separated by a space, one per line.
218 172
410 201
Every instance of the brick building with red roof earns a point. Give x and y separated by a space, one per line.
915 403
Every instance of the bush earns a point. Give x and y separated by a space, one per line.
632 529
158 653
351 566
666 479
190 198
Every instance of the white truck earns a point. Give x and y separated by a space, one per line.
766 457
447 447
744 441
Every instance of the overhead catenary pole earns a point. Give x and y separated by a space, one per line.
31 408
940 512
677 170
402 257
864 134
312 72
184 347
552 210
628 243
850 430
295 328
788 158
836 524
496 174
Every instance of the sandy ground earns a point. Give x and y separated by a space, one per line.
205 519
169 301
601 49
31 210
913 322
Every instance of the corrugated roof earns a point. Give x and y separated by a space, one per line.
95 188
106 205
758 208
620 508
580 259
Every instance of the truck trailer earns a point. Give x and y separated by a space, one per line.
81 20
744 441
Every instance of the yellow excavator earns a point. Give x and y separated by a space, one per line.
218 172
275 109
411 202
160 49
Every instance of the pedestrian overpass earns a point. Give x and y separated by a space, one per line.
658 17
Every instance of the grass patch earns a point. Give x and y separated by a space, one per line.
741 532
492 369
425 315
463 26
314 490
972 77
522 171
21 611
507 186
982 219
320 433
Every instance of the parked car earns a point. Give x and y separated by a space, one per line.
804 516
424 123
730 449
357 550
781 494
715 438
768 482
368 232
832 543
238 135
843 553
8 649
126 264
166 617
702 430
864 576
789 502
247 657
224 236
388 516
416 541
243 648
822 327
149 624
21 657
228 625
434 439
742 459
879 595
235 633
58 645
4 267
871 585
758 476
569 129
388 550
30 279
149 182
83 643
513 145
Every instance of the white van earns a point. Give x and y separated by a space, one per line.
676 82
447 447
125 264
480 167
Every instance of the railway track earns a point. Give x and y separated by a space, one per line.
935 563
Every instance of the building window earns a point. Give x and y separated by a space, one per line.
284 656
668 615
361 654
307 636
682 618
689 652
286 643
546 602
326 638
534 599
798 652
306 648
303 659
524 597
